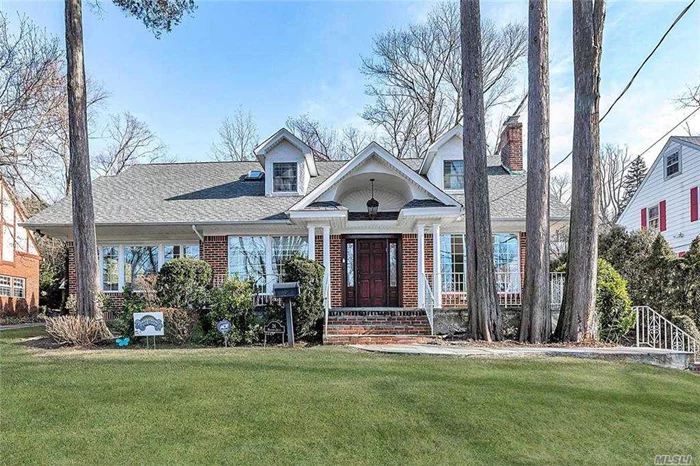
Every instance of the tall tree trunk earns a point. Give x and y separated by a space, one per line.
578 311
484 312
536 324
84 236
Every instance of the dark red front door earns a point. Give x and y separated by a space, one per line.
372 272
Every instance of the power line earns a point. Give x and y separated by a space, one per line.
624 91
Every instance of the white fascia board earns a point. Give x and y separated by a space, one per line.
317 214
434 147
433 212
283 133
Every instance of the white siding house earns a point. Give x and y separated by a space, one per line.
667 201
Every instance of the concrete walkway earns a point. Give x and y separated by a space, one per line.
14 326
657 357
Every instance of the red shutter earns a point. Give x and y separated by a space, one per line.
644 219
662 215
694 204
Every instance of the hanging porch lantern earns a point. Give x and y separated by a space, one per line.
372 204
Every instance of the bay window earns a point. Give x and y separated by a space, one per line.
139 262
506 258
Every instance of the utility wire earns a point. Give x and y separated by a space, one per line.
624 91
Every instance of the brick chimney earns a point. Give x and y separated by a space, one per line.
510 144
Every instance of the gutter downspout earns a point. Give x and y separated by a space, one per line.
194 228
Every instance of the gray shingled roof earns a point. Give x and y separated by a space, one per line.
216 192
691 139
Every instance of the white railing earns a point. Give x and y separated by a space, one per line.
429 303
656 331
262 287
508 287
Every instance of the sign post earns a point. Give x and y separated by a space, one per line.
149 324
224 328
287 291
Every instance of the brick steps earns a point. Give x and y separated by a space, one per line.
377 326
695 367
376 339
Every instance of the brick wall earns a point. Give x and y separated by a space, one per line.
24 266
409 259
336 271
318 249
214 250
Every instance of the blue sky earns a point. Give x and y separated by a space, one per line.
286 58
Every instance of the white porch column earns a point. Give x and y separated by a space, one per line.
312 242
437 266
421 265
327 264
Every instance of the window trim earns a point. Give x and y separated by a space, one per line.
12 285
444 175
656 206
680 165
296 178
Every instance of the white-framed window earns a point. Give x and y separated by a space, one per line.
109 256
284 177
453 174
247 257
18 287
139 262
283 247
673 164
176 251
5 286
506 258
654 217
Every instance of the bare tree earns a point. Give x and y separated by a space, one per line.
484 313
129 141
238 136
690 98
536 322
352 142
578 311
614 162
560 187
157 16
325 141
415 76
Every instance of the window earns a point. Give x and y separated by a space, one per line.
350 264
110 268
452 249
139 262
506 258
176 251
393 265
5 286
673 164
654 218
454 174
283 248
18 287
284 179
246 257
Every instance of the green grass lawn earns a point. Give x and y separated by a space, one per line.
335 406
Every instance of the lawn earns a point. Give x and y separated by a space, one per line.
326 405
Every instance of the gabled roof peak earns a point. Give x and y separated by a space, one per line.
283 134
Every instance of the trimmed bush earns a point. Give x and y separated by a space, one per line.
232 301
308 307
179 324
184 283
613 305
76 330
124 321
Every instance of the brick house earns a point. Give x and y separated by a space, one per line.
387 268
20 259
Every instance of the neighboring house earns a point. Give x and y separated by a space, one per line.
19 267
667 200
246 218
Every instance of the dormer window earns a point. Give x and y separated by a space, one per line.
454 174
284 178
673 164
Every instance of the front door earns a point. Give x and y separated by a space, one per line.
372 272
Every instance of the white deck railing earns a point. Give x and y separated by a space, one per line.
656 331
508 287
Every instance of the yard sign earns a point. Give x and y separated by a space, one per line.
148 324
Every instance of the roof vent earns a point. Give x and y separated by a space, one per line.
255 175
